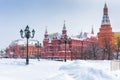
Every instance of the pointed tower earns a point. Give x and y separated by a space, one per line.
64 31
92 31
105 32
46 39
46 33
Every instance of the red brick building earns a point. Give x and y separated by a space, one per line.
106 36
17 49
105 32
61 46
55 47
76 48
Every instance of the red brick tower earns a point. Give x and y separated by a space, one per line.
46 39
45 44
64 31
105 32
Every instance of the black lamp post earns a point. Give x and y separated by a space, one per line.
38 45
82 50
70 47
65 40
27 34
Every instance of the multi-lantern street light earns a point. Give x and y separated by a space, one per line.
27 34
65 40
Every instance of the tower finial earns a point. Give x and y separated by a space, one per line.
46 30
64 31
105 6
64 21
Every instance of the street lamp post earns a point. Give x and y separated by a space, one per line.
53 48
82 56
70 47
65 40
27 34
71 53
38 46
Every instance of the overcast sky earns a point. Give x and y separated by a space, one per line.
79 15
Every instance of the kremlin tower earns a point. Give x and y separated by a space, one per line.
64 31
46 39
105 32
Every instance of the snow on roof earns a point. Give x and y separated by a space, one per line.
54 35
91 35
76 38
23 42
83 36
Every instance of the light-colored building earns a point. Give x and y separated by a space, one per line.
116 39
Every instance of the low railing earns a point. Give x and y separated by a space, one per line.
115 65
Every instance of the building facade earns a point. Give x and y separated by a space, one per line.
105 34
116 39
63 46
18 49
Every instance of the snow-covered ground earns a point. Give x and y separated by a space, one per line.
15 69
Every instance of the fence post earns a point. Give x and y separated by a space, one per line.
115 65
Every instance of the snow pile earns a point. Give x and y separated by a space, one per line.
82 70
15 69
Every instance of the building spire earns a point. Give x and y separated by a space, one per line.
64 31
46 30
105 19
105 10
46 34
105 6
64 27
92 31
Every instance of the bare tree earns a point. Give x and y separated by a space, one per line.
22 48
107 49
80 50
92 50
